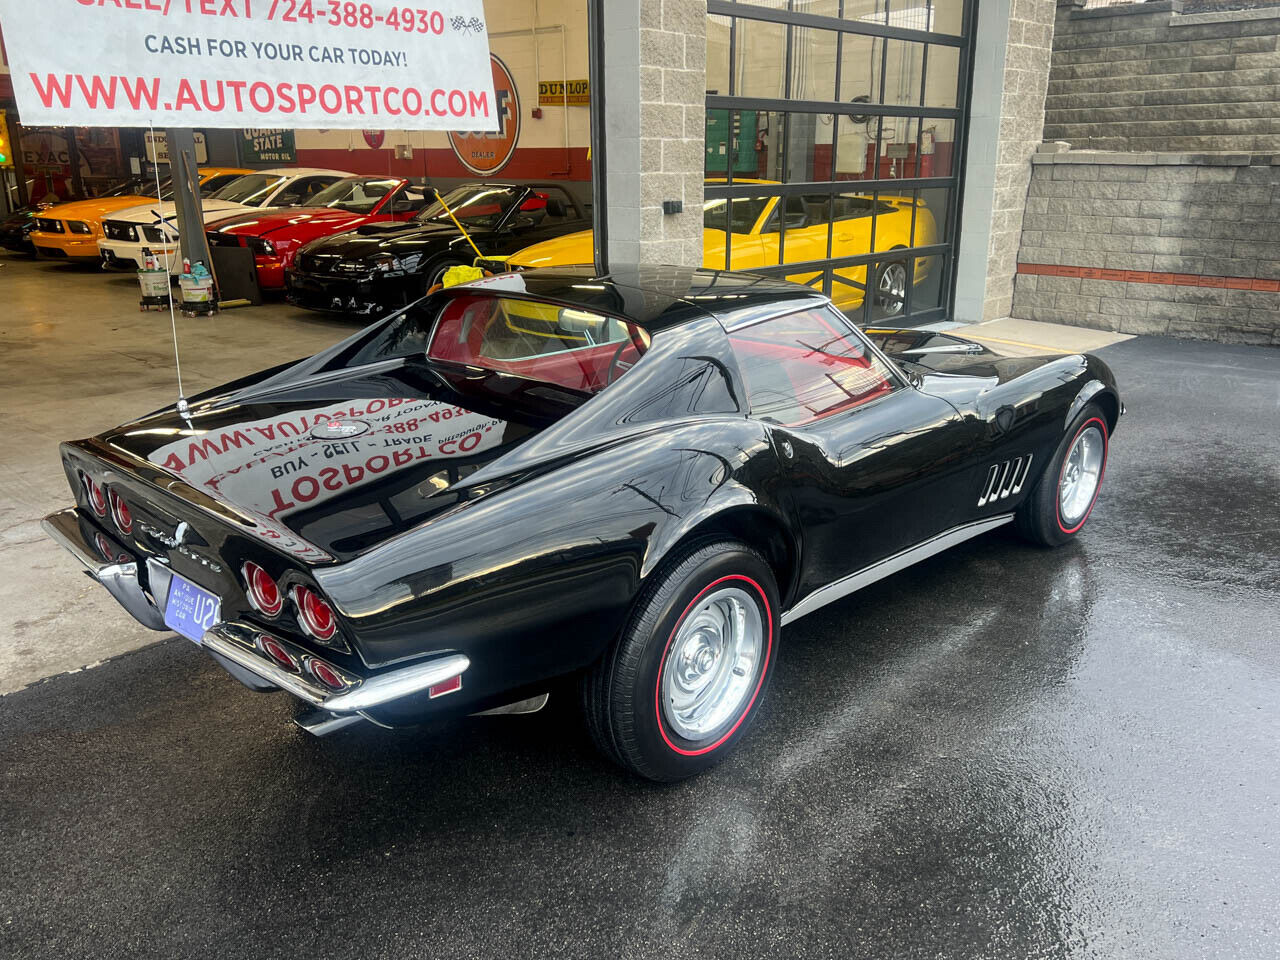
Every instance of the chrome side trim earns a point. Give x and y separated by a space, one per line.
890 565
365 695
529 705
991 485
119 578
1019 481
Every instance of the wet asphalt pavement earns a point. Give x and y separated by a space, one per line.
1004 752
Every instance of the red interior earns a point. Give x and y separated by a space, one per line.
765 364
585 369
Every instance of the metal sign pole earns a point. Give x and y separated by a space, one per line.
186 194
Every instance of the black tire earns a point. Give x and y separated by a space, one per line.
435 274
621 692
1039 517
892 305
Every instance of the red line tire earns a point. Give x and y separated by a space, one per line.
632 697
1040 519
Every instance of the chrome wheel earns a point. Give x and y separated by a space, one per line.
893 288
713 664
1081 474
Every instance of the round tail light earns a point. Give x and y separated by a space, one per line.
326 674
314 614
277 653
93 491
263 594
121 513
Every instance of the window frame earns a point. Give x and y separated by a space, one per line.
919 306
895 378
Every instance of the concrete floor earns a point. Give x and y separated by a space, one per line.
1003 752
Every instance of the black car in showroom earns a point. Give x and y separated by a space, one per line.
380 267
15 230
636 480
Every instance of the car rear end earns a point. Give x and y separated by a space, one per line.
230 581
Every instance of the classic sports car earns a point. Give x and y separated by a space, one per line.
276 236
154 226
757 228
638 479
384 266
71 231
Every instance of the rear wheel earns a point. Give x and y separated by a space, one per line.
891 288
1062 501
686 677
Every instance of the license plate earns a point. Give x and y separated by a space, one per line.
190 610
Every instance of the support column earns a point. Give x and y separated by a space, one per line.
1013 42
655 117
187 196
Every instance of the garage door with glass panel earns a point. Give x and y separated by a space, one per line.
833 147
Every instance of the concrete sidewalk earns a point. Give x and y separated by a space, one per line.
1025 338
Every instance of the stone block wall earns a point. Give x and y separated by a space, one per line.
655 103
1186 245
1144 76
1006 120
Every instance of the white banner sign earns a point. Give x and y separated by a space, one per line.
251 63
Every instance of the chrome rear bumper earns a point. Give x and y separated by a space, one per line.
234 643
119 576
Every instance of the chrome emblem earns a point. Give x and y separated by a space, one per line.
175 544
339 429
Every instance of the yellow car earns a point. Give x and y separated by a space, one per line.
70 231
756 224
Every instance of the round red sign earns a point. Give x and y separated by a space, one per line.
487 153
374 138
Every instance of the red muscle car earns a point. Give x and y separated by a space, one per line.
276 235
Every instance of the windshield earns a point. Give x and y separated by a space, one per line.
571 348
251 190
743 213
475 205
137 187
356 195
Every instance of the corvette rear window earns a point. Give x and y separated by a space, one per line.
805 366
567 347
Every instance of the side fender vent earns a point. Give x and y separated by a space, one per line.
1005 479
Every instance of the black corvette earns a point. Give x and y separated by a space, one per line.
637 479
380 267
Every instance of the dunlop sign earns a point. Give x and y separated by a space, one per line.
551 93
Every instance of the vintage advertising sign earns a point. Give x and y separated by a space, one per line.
484 152
243 63
156 144
556 93
268 146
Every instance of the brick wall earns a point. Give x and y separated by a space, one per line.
1186 245
1147 77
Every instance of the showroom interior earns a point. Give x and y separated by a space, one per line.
831 135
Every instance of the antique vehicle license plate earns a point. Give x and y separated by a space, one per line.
190 610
